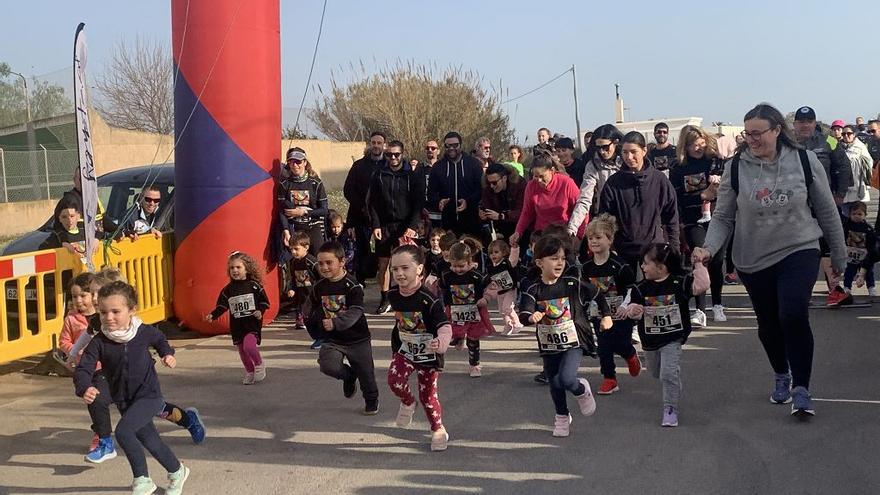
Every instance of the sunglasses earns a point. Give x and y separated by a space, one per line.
152 200
389 154
295 161
451 145
604 147
872 131
430 148
493 183
661 132
849 134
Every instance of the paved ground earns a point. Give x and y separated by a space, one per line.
295 433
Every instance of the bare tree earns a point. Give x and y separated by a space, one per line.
136 89
413 103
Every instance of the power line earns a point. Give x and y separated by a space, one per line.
311 70
538 88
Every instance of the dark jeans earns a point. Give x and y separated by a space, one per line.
617 340
850 274
561 369
99 410
780 295
695 236
360 365
136 430
367 263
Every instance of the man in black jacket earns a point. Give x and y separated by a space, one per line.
395 201
355 192
455 187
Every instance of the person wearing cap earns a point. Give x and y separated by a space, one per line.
502 198
355 191
834 160
837 129
663 154
302 200
574 167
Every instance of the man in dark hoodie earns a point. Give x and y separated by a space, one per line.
355 192
455 187
395 202
643 201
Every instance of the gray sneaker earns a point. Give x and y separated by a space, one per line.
782 389
801 403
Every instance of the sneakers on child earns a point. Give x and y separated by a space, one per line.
707 217
300 323
608 387
731 279
259 372
316 345
143 485
801 403
541 378
196 428
634 365
476 371
371 408
248 378
405 414
562 425
439 439
176 481
103 452
836 296
670 417
586 401
349 386
718 313
781 389
872 291
698 318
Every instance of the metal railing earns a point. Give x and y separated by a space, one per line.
22 181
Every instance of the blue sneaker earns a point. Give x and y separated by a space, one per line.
782 389
103 452
196 427
802 403
316 344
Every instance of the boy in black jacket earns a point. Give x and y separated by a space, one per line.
337 312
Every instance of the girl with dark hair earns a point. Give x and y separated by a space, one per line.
775 199
548 199
660 304
603 154
302 200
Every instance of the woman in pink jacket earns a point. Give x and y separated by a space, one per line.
549 198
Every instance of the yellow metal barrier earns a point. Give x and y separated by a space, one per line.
32 306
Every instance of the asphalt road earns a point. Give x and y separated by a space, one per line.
295 433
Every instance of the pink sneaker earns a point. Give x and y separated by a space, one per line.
586 401
476 371
561 426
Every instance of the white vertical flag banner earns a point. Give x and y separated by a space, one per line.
84 143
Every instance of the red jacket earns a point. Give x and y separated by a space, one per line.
545 206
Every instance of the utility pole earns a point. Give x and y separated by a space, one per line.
577 118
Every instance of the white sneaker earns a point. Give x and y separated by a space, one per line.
562 425
698 319
405 414
259 372
439 440
705 218
248 379
718 313
872 291
476 371
143 485
586 401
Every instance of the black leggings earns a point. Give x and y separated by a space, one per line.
136 430
695 236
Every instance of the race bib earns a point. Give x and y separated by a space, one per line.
464 313
414 347
503 280
557 337
662 319
856 255
614 302
242 306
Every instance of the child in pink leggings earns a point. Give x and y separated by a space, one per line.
504 283
246 301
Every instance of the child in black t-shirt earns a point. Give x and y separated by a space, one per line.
558 304
462 288
246 302
303 274
438 265
660 304
340 235
861 251
337 313
419 340
614 279
504 282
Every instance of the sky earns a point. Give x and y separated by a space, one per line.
671 59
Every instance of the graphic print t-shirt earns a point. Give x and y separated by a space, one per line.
614 279
461 293
416 321
667 317
330 298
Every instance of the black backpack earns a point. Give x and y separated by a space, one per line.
805 165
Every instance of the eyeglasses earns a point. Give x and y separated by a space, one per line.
430 148
755 135
389 154
152 200
451 145
604 147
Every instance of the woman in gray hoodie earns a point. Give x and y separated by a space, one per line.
604 150
778 214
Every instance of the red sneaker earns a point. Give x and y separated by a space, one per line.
608 387
635 366
837 296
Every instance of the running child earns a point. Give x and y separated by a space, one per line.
660 304
337 302
559 306
861 250
338 234
502 273
434 256
614 279
123 349
419 340
246 301
462 288
439 265
303 274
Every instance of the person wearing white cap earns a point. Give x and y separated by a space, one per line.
302 200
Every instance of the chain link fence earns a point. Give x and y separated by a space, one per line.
36 175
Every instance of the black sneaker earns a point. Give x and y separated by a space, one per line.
371 408
349 387
384 307
541 378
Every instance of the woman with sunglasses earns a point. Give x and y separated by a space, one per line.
861 163
604 161
777 215
302 200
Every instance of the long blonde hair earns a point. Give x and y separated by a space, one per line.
691 133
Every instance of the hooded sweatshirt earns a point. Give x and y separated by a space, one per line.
596 174
454 181
543 206
646 209
771 217
396 199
